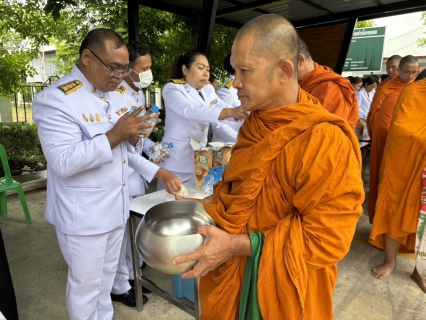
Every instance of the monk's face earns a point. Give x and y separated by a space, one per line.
408 72
257 80
392 68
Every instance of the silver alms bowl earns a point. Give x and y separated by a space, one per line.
169 230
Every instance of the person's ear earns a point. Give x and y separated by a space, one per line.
184 70
287 70
86 57
301 60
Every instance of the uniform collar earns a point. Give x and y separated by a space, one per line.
130 91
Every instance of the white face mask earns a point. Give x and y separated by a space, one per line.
145 79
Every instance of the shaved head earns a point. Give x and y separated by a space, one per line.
408 60
392 66
408 68
274 37
395 57
303 47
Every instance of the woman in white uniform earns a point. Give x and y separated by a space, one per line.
191 104
366 95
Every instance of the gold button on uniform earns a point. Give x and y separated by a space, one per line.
202 129
93 89
109 117
124 161
124 183
199 141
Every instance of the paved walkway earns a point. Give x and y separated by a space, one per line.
39 274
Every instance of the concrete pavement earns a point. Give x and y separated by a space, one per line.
39 274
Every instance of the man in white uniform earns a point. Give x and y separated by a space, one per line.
84 131
140 77
227 130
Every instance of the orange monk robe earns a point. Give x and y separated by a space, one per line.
398 205
294 175
334 92
382 91
380 132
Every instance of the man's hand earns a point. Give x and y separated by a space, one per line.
218 248
170 181
127 127
238 113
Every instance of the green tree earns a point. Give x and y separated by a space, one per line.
365 24
422 41
164 33
18 41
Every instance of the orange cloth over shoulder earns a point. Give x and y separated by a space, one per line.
294 175
380 132
398 205
382 91
335 93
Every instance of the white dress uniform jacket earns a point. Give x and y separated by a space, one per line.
188 116
227 130
364 101
87 187
147 169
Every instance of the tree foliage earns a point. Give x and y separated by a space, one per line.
422 41
365 24
26 26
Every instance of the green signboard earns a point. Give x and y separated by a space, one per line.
366 50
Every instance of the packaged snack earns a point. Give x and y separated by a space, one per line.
203 161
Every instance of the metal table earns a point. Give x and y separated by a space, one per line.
138 207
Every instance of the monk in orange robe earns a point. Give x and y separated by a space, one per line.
294 178
408 67
334 92
392 70
398 204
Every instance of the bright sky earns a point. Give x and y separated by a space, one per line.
397 25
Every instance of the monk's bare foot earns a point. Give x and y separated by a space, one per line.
420 280
383 271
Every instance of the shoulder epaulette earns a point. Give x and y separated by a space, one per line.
178 81
121 89
71 86
229 83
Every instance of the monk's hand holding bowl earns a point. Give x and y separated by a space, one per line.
219 246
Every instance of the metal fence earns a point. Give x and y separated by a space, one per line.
22 101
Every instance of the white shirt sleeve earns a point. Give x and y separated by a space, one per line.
176 102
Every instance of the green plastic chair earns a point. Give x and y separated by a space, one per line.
7 183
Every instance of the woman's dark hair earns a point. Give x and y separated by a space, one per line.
186 59
370 80
350 78
212 78
355 80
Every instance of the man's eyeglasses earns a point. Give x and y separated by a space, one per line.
114 72
410 73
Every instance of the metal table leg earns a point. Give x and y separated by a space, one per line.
136 267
